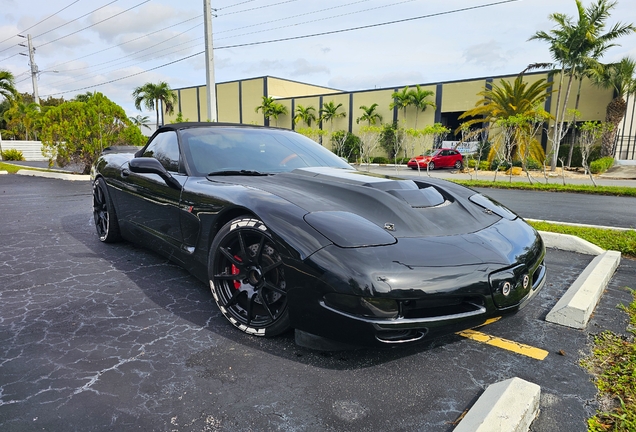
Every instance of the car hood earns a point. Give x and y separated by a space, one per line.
405 208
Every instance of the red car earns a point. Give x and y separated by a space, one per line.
440 158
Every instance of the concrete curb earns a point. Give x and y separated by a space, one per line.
54 175
580 225
569 243
4 172
576 306
509 405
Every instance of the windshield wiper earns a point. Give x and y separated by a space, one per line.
238 172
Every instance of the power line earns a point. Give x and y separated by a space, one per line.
370 25
37 23
94 24
316 20
296 16
299 37
257 7
127 42
73 20
234 5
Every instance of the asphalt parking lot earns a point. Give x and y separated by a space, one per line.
97 337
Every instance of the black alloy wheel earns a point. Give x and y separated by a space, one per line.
247 278
104 213
458 165
431 165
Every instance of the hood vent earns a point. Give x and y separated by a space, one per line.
419 198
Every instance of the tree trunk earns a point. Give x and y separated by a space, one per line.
614 114
576 107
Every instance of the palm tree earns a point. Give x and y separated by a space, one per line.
506 101
7 85
418 98
572 44
620 77
277 109
329 112
84 97
369 115
140 121
151 94
271 108
305 114
401 100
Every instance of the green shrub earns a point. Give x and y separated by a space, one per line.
404 160
380 160
483 164
601 165
12 155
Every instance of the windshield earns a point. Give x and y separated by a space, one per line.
235 149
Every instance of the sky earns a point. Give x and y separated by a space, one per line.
114 46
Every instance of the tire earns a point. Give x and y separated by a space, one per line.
431 166
247 278
458 165
104 213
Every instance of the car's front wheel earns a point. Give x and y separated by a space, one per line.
247 278
431 165
104 213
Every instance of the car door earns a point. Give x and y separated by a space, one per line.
147 205
443 159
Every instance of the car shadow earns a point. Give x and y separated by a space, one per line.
174 289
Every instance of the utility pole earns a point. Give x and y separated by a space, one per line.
34 69
209 61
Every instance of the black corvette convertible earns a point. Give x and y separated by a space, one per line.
288 235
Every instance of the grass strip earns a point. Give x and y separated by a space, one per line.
613 363
552 187
622 241
12 168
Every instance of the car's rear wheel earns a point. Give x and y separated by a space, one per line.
247 278
104 213
431 165
458 165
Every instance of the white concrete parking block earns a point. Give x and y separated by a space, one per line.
509 405
577 304
569 243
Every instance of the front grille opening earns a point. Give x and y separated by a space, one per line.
537 273
440 307
400 336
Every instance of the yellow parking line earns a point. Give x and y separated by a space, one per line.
519 348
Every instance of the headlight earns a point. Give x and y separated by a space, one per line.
348 230
362 306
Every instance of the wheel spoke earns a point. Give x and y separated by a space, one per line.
259 251
234 299
231 258
274 288
244 253
224 276
250 308
264 303
271 267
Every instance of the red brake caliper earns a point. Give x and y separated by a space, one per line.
236 271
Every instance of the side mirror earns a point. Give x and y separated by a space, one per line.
148 165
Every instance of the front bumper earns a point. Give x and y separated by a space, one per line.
433 301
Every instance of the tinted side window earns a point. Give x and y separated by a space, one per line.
165 148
